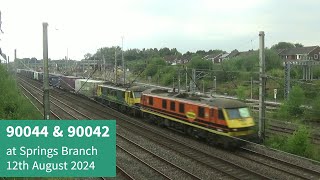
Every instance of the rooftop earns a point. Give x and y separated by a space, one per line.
298 50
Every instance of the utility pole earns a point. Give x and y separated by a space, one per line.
123 64
203 86
46 101
173 83
158 81
104 67
287 68
262 85
94 63
193 81
251 87
179 80
215 85
115 66
186 78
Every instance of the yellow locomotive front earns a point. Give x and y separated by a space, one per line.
239 121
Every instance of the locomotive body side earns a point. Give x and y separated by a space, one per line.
201 118
122 99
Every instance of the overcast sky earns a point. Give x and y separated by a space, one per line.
83 26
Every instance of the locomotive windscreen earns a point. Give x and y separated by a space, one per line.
238 113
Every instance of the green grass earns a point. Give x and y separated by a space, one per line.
13 104
24 178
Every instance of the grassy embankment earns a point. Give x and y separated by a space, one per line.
13 104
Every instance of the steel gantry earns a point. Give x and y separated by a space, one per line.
306 68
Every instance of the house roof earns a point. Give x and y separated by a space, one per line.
233 53
213 56
247 53
225 55
298 50
279 51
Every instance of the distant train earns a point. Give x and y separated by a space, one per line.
216 120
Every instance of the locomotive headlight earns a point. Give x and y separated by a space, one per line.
235 129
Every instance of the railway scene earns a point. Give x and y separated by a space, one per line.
190 100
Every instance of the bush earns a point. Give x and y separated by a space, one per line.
291 108
299 143
241 93
276 142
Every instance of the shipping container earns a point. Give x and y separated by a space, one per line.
87 87
54 80
68 82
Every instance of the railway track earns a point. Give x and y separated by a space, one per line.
295 170
229 168
155 161
36 102
289 172
122 149
284 129
58 105
39 92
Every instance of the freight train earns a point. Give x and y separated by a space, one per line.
217 120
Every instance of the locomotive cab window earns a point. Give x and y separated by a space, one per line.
150 100
220 115
131 94
201 112
164 104
181 107
238 113
172 106
137 94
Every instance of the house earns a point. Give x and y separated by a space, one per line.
301 53
227 56
213 57
219 57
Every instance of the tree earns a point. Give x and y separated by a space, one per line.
164 52
292 106
299 143
296 99
33 60
201 52
283 45
198 63
298 45
175 52
153 66
132 54
241 93
215 51
87 56
273 61
313 112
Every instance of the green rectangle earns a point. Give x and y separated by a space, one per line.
31 151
